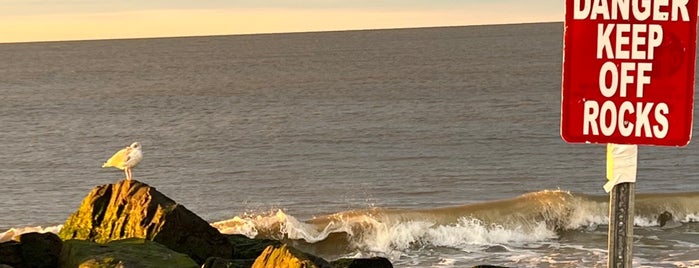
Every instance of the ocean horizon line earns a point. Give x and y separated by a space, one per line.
272 33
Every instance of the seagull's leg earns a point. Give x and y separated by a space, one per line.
127 171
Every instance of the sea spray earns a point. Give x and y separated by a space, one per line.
465 233
532 217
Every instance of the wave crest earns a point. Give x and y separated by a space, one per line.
535 216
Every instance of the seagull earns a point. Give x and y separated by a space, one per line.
126 159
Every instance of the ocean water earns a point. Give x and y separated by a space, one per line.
434 147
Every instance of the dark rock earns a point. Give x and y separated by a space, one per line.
489 266
285 256
11 253
496 248
216 262
376 262
664 218
248 248
132 209
40 250
133 252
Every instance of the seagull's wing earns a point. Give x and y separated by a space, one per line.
118 160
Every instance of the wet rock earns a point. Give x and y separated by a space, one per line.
496 248
664 218
285 256
132 209
40 250
216 262
249 248
11 253
34 250
667 221
376 262
489 266
133 252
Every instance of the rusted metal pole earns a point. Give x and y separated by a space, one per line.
621 213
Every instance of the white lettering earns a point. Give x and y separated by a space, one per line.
608 69
680 6
659 15
660 111
581 12
655 38
642 121
621 40
612 80
641 77
626 79
604 42
642 10
630 41
622 6
637 40
590 117
641 14
608 108
599 8
625 127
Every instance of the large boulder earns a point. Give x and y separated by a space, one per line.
11 253
40 250
133 252
35 250
132 209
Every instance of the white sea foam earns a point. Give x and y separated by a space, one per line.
525 228
385 236
691 218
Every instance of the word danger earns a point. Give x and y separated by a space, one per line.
659 10
627 50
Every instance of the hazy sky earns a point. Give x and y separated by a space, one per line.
35 20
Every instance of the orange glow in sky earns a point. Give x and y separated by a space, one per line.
53 26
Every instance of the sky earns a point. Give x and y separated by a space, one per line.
54 20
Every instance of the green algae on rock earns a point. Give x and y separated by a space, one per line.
132 209
132 252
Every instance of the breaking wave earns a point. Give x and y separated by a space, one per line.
531 217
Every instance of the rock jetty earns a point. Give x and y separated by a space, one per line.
131 224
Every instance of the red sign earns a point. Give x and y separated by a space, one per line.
628 71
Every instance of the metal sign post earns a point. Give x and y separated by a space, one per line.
620 238
622 162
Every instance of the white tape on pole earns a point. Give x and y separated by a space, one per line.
621 164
